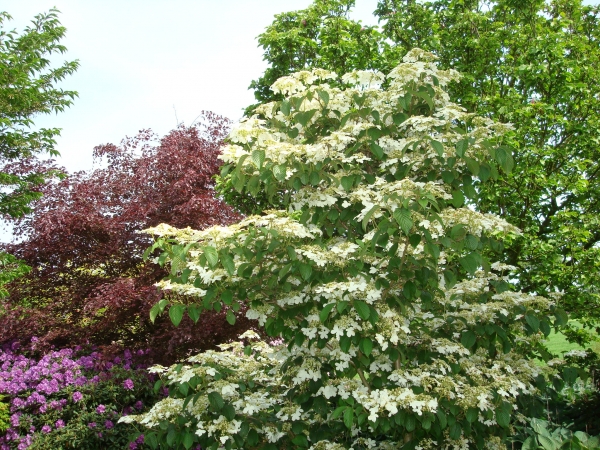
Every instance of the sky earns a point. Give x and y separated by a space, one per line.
151 63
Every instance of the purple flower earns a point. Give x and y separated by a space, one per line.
139 405
139 441
108 424
128 384
77 396
46 429
59 423
100 409
92 424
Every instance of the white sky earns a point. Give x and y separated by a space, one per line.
140 59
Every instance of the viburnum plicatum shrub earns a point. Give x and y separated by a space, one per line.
88 281
397 331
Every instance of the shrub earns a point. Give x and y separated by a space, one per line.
69 399
398 330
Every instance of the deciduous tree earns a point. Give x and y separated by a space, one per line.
83 242
27 88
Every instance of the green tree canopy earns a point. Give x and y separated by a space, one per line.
27 89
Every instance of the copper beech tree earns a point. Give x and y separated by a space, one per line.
88 281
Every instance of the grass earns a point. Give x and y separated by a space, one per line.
557 342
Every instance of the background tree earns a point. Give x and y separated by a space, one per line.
27 88
321 35
83 242
533 64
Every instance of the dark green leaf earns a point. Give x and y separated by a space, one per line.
362 309
468 339
348 417
216 401
366 346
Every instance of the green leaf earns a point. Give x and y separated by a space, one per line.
154 312
472 165
280 172
341 306
230 317
472 415
338 412
324 95
305 271
366 346
368 216
304 117
469 263
376 150
348 417
455 431
325 312
403 217
442 418
194 312
347 182
258 158
216 401
533 322
505 159
211 255
461 147
503 416
410 423
228 412
438 147
176 313
468 339
530 444
561 317
362 309
548 443
227 261
285 107
300 441
458 199
188 440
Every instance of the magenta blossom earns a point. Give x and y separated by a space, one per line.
100 409
77 396
128 384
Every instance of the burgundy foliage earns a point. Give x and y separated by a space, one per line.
89 282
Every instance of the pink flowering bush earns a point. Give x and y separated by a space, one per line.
71 399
